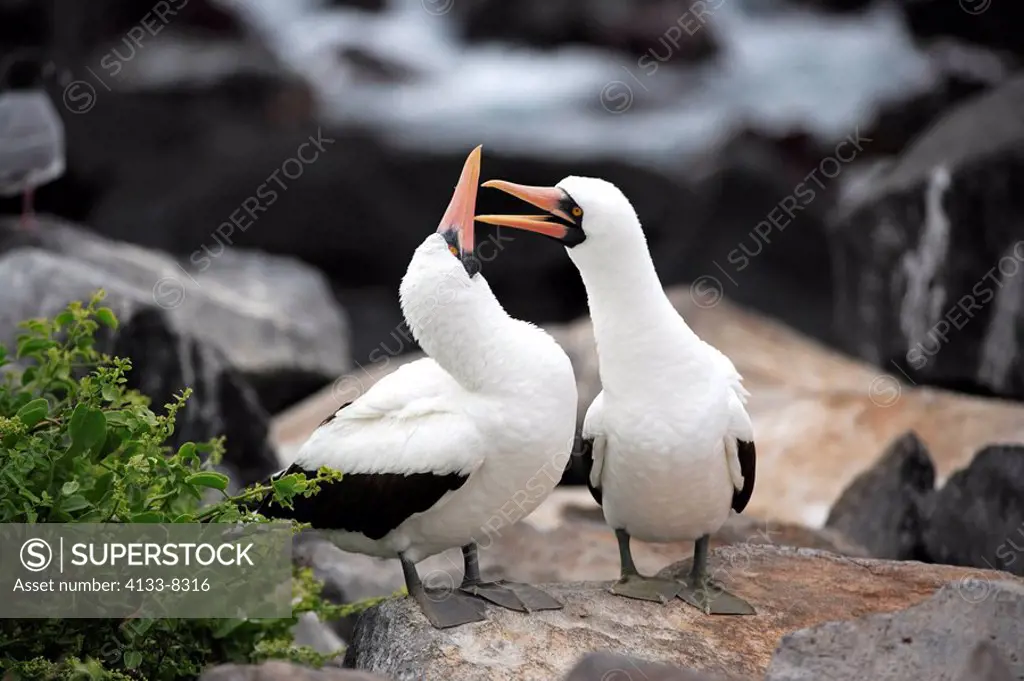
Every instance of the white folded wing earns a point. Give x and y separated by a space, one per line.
411 421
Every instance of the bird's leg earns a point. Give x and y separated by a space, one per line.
699 569
471 562
628 567
443 607
511 595
28 219
703 594
634 585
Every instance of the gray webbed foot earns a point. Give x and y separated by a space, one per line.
703 594
512 595
647 588
445 609
712 599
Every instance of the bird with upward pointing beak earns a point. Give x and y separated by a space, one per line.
668 441
431 453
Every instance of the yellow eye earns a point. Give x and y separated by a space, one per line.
454 251
577 211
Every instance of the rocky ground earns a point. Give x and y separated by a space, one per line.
799 595
851 463
823 607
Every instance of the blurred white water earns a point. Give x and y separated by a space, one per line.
777 70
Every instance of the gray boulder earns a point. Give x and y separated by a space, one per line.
934 640
165 361
222 403
978 515
928 253
274 318
884 508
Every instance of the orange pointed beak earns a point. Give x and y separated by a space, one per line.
549 199
457 223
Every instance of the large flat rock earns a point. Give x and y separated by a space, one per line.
792 589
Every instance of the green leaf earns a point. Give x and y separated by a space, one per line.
69 488
290 485
225 627
114 440
187 453
34 412
75 503
132 659
109 392
117 418
105 316
208 479
88 427
101 486
65 318
148 517
136 627
30 346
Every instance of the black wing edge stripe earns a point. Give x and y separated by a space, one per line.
372 504
748 464
587 458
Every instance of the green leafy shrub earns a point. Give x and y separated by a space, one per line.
77 446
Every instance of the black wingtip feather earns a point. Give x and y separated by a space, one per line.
748 464
372 504
587 458
334 413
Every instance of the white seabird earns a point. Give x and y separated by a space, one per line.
438 453
668 440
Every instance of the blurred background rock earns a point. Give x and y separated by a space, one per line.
252 176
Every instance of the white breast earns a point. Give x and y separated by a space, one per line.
665 475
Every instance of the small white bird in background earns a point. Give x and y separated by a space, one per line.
668 440
31 139
432 453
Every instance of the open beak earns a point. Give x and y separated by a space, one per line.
549 199
457 223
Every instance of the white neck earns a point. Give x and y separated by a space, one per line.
635 324
460 324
